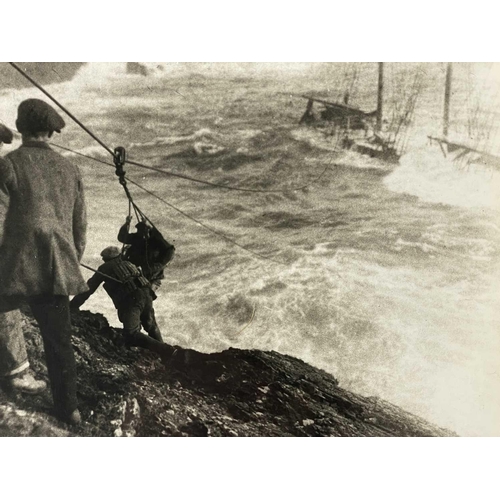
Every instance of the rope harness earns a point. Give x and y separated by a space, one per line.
119 159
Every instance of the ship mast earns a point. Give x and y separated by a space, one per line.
380 95
447 95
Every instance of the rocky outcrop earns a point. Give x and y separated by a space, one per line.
43 73
135 68
128 392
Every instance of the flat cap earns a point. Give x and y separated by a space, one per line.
34 115
6 135
110 253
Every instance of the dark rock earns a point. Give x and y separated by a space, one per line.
195 428
43 72
135 68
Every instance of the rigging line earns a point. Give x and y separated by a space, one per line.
354 82
343 82
470 100
411 121
101 273
404 121
405 101
208 228
222 186
185 177
337 81
98 160
406 124
76 120
407 115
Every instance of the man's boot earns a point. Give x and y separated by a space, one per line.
24 382
73 419
134 339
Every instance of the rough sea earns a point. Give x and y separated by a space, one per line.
384 275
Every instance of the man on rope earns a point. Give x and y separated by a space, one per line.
43 241
132 296
147 249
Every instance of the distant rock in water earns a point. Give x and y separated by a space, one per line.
43 72
129 392
135 68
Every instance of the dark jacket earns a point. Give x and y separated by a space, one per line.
150 253
120 278
45 224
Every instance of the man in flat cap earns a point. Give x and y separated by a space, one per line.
132 296
14 373
43 242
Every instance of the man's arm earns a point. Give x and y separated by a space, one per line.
123 234
93 284
7 176
7 180
80 220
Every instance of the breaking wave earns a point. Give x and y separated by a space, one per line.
427 174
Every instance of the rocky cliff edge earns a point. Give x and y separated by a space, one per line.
128 392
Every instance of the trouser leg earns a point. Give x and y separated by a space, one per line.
130 316
148 320
129 313
138 310
52 314
13 355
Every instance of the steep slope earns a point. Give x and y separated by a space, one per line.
129 392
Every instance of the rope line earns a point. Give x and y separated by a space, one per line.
101 273
98 160
232 188
208 183
73 117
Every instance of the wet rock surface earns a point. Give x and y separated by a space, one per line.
127 391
